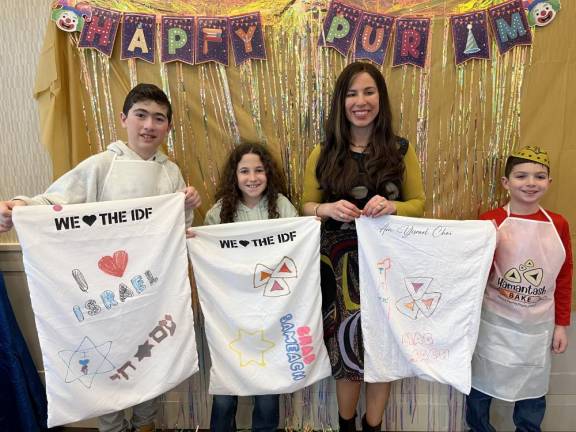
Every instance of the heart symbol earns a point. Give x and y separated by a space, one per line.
244 242
89 220
84 362
114 265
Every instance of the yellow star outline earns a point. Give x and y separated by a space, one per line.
250 347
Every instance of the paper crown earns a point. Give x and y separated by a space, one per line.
533 154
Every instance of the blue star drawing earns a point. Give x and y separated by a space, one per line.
86 361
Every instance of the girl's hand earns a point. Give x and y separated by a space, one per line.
192 198
190 233
6 214
379 206
343 211
559 340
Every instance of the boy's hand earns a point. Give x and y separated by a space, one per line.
559 340
192 198
190 233
6 213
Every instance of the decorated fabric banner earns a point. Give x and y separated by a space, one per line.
139 37
177 39
411 44
247 37
212 40
510 25
470 36
340 27
373 36
421 288
259 288
100 32
111 298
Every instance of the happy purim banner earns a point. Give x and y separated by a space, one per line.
112 303
195 40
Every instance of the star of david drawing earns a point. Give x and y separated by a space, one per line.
86 361
420 301
274 279
250 347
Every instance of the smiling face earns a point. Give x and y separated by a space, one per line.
362 102
543 13
147 126
251 178
527 183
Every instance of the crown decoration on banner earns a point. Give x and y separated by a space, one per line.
345 28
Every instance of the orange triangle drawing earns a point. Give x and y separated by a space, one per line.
284 269
264 275
410 305
277 287
417 286
428 302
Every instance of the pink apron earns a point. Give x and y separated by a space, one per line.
512 357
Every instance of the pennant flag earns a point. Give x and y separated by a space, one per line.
247 37
421 288
411 44
177 39
509 25
100 32
372 37
259 287
139 37
111 298
470 36
212 40
339 27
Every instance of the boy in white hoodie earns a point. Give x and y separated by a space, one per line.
135 169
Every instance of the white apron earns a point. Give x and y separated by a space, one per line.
151 180
512 357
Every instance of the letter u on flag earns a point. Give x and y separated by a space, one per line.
111 297
259 288
421 288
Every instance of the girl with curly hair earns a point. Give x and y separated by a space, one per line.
251 187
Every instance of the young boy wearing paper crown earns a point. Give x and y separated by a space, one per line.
527 300
135 169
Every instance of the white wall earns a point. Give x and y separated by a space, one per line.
25 167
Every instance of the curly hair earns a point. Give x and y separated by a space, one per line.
228 191
384 162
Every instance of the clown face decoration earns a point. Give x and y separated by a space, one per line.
542 12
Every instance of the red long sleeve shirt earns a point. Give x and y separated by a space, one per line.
563 292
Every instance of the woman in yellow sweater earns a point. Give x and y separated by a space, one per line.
362 168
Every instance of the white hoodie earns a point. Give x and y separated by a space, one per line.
84 183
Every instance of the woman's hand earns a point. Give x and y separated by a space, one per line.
379 206
343 211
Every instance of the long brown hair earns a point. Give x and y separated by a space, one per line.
229 192
384 162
